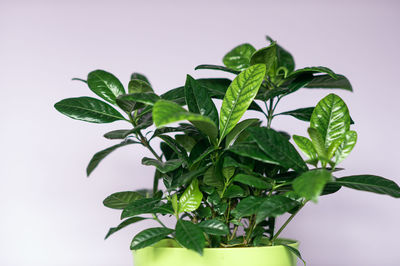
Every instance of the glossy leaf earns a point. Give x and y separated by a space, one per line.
140 76
312 70
328 82
121 200
214 227
147 98
190 236
191 197
118 134
311 184
278 148
215 67
285 59
140 206
99 156
247 206
149 237
88 109
234 191
252 181
198 100
266 56
124 224
331 118
166 112
105 85
306 146
370 183
239 128
163 167
274 206
318 143
139 86
211 179
346 146
295 251
239 57
303 114
251 150
239 96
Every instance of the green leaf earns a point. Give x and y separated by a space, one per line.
251 150
198 100
247 207
303 114
239 57
328 82
191 198
295 251
215 67
370 183
234 191
214 227
139 86
118 134
147 98
124 224
187 177
166 112
190 236
140 76
274 206
318 143
239 128
99 156
105 85
266 56
175 146
349 141
174 202
146 205
306 146
121 200
163 167
278 148
331 118
239 96
186 141
88 109
285 59
211 179
311 184
253 181
312 70
149 237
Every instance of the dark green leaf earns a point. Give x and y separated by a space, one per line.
105 85
251 150
140 206
123 225
139 86
274 206
303 114
121 200
295 251
234 191
328 82
239 57
147 98
190 236
214 227
149 237
118 134
247 207
88 109
253 181
211 179
163 167
142 77
370 183
239 128
278 148
266 56
285 59
311 184
312 70
215 67
99 156
175 146
239 96
187 177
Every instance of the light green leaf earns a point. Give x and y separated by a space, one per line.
105 85
306 146
174 202
163 167
190 236
239 128
99 156
310 184
285 59
166 112
121 200
239 96
191 198
318 143
88 109
266 56
350 139
123 225
253 181
370 183
214 227
278 148
331 118
328 82
239 57
274 206
149 237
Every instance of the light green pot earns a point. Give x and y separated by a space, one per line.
168 253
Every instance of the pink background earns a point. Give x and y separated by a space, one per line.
51 214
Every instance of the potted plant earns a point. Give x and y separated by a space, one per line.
225 179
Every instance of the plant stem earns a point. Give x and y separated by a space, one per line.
286 223
251 227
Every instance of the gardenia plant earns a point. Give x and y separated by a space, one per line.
226 179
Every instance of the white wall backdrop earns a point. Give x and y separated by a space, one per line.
51 214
